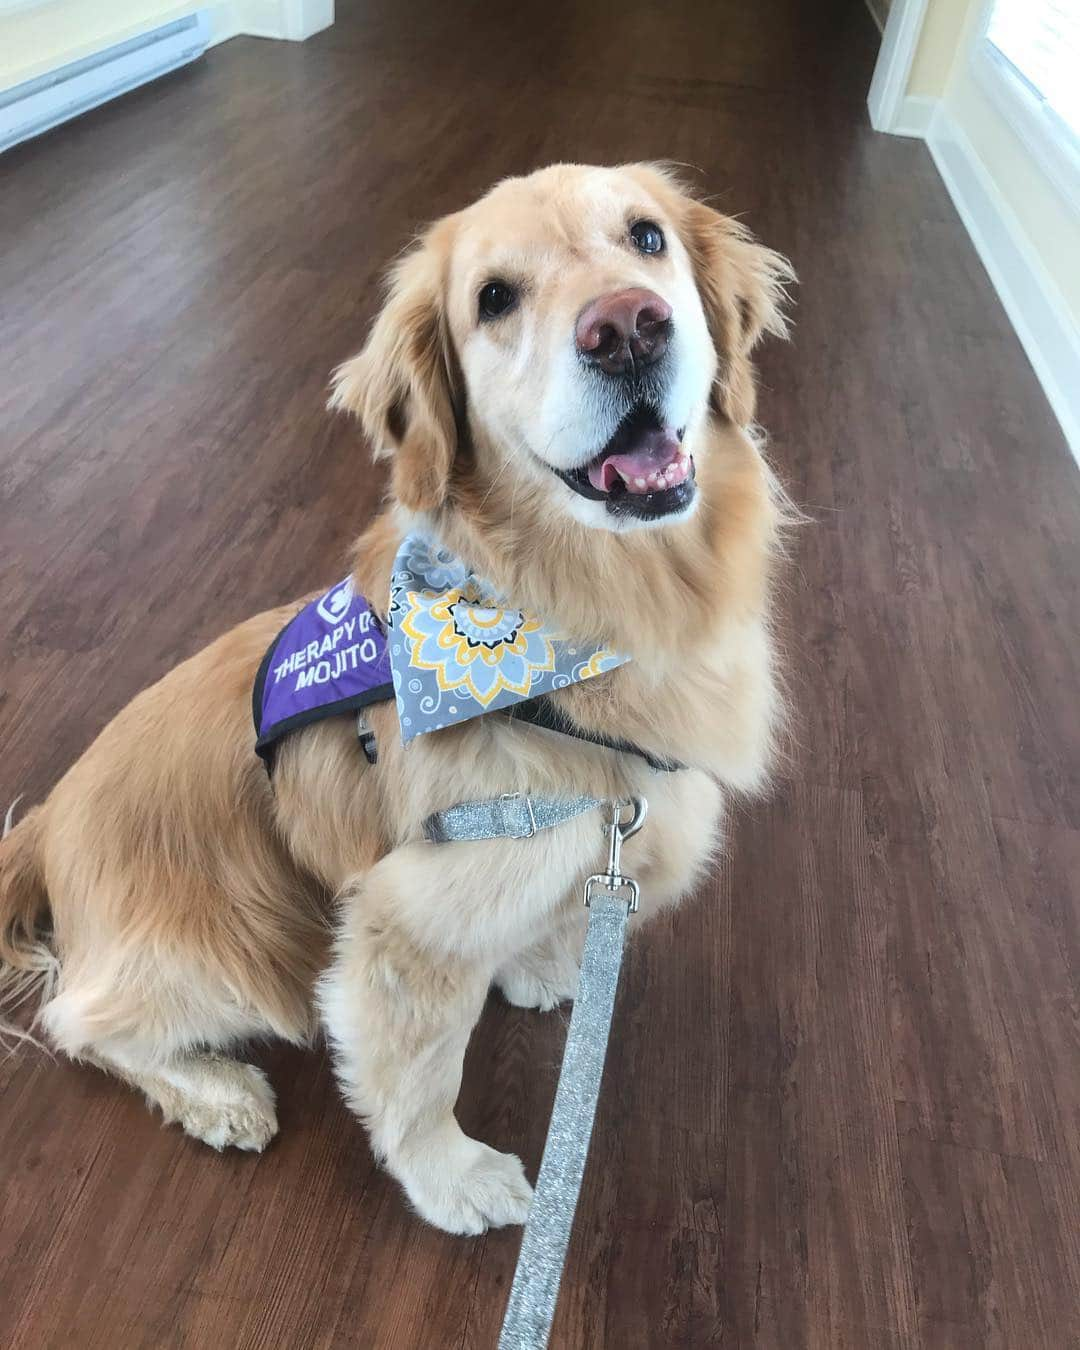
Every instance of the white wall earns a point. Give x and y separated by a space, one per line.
37 38
1023 219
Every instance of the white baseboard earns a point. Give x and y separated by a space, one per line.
305 18
913 116
1049 334
39 104
291 20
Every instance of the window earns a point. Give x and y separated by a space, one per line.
1041 41
1028 60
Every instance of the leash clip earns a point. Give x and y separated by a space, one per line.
612 882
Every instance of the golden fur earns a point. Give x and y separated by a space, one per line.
193 904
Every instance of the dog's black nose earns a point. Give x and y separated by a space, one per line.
623 330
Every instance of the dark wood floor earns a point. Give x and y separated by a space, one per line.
842 1107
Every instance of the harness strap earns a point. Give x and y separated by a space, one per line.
541 712
515 815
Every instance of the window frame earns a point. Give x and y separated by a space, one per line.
1053 146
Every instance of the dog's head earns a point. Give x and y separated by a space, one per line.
565 338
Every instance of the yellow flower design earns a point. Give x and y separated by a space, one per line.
474 646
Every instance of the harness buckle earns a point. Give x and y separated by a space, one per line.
512 820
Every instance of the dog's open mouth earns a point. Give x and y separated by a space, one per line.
642 471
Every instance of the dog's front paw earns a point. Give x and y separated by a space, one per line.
223 1103
469 1189
541 977
526 988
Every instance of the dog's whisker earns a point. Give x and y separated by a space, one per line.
493 484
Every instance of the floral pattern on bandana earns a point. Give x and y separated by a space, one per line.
484 648
458 649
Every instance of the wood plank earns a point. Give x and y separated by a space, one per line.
983 1272
814 1226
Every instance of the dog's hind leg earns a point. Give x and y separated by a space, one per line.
221 1101
166 1044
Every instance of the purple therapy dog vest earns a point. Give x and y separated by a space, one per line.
452 649
330 658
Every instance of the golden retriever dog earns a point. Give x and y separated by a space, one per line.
561 380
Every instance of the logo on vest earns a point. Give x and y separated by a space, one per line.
336 601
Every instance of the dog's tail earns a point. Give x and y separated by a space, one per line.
28 965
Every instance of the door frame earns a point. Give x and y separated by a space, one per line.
898 44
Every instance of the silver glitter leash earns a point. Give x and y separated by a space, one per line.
611 899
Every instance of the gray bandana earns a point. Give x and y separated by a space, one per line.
458 649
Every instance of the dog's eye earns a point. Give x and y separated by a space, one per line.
495 299
647 236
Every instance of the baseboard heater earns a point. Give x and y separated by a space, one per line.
33 107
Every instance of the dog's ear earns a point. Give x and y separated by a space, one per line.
743 291
401 385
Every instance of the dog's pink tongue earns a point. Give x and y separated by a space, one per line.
655 463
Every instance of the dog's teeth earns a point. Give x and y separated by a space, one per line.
661 481
639 482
